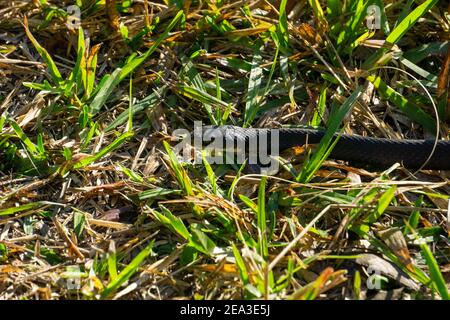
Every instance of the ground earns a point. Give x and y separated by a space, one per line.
95 204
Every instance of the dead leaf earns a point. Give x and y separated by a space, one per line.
443 75
395 240
226 268
382 267
113 15
309 34
9 269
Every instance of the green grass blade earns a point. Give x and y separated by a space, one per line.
31 147
413 112
26 207
241 265
201 96
254 89
182 177
211 176
198 84
127 272
148 102
131 174
435 272
129 126
249 202
121 73
89 72
326 144
111 147
320 109
76 74
318 12
201 241
79 222
261 219
350 32
52 68
283 27
382 204
112 261
105 91
137 61
407 23
422 72
180 173
176 223
398 32
235 180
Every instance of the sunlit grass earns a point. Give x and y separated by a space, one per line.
92 189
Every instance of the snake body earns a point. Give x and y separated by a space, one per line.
378 152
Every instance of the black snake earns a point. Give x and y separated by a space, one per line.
378 152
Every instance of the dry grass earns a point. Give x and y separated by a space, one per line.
88 200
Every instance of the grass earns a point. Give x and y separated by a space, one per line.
95 204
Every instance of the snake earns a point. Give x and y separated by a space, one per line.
353 148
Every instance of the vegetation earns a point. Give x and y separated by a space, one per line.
95 204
